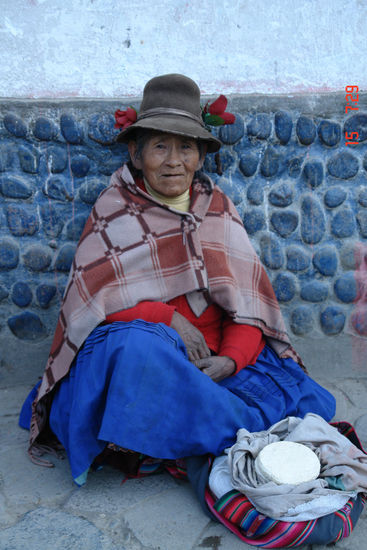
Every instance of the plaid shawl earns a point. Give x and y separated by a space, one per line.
133 248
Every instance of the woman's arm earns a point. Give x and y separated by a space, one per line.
243 343
240 346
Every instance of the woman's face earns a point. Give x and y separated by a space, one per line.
168 162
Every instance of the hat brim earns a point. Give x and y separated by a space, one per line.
181 126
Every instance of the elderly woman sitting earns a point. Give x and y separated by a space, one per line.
170 337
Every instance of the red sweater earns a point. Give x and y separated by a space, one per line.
242 343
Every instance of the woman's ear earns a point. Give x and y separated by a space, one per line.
135 159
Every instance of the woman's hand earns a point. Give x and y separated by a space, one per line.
217 367
193 339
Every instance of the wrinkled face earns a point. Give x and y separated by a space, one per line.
168 162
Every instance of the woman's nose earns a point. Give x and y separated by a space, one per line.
173 157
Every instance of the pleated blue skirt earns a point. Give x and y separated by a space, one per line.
133 385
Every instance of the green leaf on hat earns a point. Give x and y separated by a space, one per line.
213 120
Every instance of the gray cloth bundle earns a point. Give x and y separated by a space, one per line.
343 466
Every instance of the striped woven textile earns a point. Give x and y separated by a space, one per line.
237 513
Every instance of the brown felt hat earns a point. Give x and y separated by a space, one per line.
171 103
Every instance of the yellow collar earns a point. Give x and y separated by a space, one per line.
181 202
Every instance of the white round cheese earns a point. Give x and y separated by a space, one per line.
287 462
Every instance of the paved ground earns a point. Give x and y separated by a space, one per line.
41 509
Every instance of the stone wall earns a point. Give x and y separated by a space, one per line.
302 194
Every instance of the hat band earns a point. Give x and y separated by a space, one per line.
159 111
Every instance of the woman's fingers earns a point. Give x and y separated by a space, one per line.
194 341
217 367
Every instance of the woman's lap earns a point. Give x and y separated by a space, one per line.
133 385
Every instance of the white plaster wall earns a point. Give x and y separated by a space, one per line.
110 48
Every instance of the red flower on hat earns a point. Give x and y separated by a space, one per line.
124 119
214 114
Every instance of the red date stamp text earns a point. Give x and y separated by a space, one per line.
351 98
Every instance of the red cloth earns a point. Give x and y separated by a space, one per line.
242 343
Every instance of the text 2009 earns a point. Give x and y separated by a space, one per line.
352 105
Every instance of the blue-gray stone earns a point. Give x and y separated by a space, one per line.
284 286
56 159
227 161
20 221
74 227
37 257
9 254
56 188
4 157
231 133
109 164
357 123
314 291
343 165
3 293
332 320
306 131
44 294
297 258
343 223
283 126
90 191
65 257
351 255
329 132
313 173
231 188
21 294
362 223
44 129
294 166
254 220
284 222
255 193
335 197
80 165
271 252
270 163
15 125
259 126
326 260
312 220
248 164
70 129
29 159
359 321
365 162
101 128
27 326
345 288
52 221
15 188
301 320
281 194
362 197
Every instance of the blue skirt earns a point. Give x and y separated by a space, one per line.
133 385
